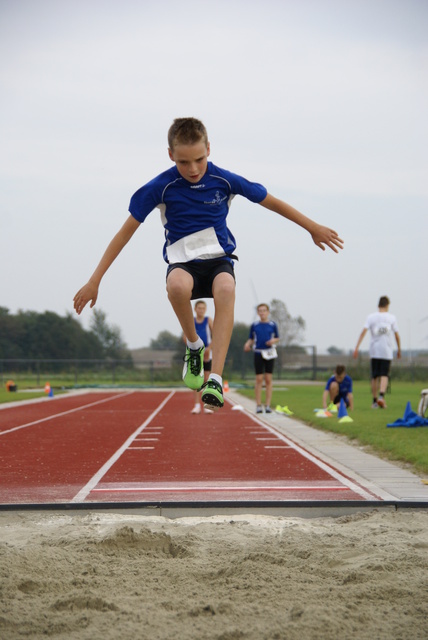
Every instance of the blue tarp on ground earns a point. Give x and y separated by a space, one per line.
410 419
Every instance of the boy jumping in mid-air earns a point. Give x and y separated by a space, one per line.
194 197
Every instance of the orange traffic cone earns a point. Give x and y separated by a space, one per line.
47 387
225 386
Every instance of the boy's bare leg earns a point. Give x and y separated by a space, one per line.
383 384
258 388
334 390
224 302
179 285
268 390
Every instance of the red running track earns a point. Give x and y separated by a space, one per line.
145 446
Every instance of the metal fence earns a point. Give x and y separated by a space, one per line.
160 367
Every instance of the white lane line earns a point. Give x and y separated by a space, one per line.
64 413
90 486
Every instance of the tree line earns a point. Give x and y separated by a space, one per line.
33 335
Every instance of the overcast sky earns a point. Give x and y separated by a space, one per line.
322 101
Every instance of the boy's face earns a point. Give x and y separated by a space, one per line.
200 310
263 313
191 160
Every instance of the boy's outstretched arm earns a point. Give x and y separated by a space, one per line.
320 235
89 292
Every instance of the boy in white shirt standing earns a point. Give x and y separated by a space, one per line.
382 325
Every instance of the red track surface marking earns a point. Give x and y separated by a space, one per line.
147 446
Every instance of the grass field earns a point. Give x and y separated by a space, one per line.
6 396
408 445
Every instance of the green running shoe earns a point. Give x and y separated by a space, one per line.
212 395
193 370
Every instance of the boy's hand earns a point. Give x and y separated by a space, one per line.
87 293
325 236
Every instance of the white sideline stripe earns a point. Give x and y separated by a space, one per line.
322 465
211 489
86 490
64 413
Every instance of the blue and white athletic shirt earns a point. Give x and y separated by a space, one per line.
203 331
194 215
261 332
345 386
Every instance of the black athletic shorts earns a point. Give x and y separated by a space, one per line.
379 367
203 274
208 365
261 365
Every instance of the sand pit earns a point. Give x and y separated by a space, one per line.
116 576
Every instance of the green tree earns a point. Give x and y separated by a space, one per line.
109 336
168 341
335 351
237 360
11 335
291 330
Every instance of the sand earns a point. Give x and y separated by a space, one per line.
119 576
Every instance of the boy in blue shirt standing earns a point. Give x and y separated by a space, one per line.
194 197
263 338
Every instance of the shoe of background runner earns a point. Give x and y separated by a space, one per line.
193 370
259 409
196 409
375 405
268 410
332 408
381 403
212 395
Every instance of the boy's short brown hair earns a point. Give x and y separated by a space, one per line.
383 302
263 304
340 369
186 131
